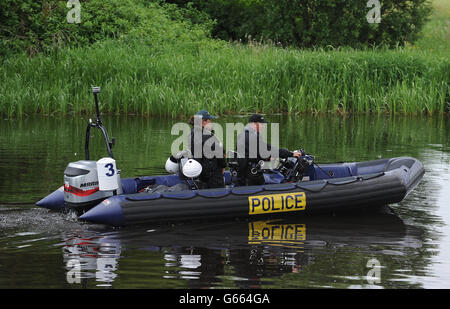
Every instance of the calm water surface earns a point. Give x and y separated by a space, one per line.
43 249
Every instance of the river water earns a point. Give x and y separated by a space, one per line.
406 246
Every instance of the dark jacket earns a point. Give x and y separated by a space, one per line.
212 163
251 149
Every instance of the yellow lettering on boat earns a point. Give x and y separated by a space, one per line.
266 232
273 203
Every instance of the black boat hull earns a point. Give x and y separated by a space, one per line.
378 182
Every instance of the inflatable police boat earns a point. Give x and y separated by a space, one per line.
296 186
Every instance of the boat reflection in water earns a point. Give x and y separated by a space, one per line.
243 254
88 256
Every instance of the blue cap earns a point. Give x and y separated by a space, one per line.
205 115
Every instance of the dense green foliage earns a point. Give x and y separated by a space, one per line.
153 58
42 25
318 23
37 26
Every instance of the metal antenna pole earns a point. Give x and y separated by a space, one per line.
96 90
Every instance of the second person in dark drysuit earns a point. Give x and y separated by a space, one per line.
250 144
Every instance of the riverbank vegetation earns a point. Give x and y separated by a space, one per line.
158 59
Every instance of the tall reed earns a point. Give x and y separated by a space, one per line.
224 78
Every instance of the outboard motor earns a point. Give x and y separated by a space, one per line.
87 182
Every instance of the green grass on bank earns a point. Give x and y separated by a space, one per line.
230 79
179 79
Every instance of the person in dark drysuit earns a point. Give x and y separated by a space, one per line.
208 150
249 146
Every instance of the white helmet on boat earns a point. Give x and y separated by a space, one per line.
192 169
172 165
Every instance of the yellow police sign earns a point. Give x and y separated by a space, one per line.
273 203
